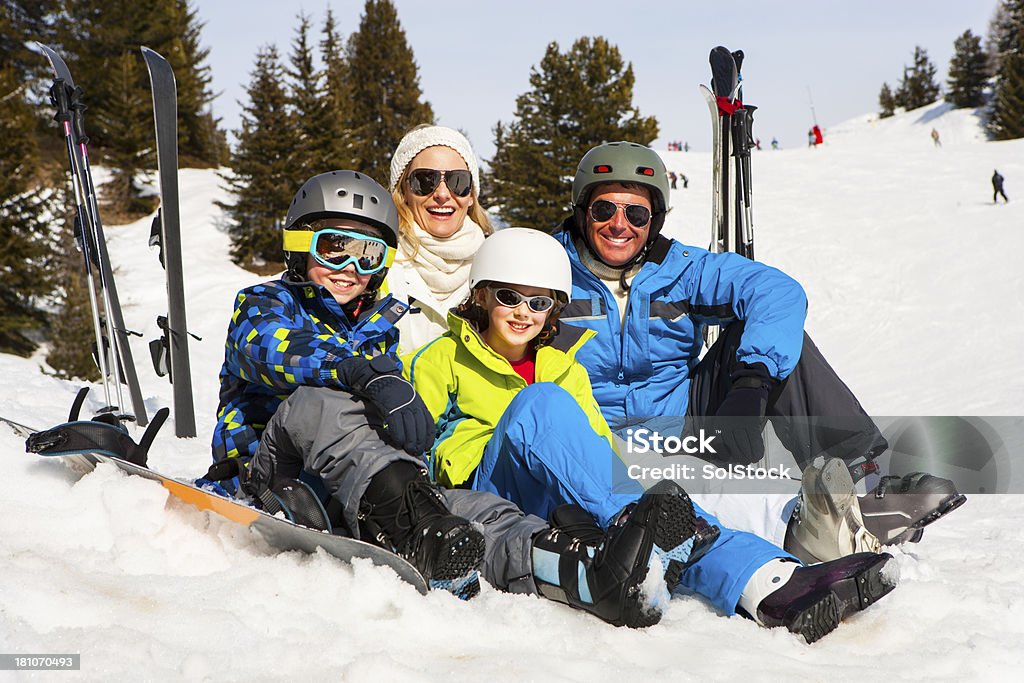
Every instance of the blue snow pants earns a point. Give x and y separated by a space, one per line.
544 453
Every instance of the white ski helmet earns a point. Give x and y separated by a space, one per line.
523 256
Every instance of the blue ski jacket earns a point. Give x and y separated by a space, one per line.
284 335
642 368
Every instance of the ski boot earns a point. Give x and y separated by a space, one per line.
403 511
827 523
813 601
624 575
899 508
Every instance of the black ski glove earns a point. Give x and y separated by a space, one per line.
741 420
407 422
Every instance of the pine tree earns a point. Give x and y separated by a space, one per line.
131 151
310 107
1007 120
263 177
21 22
918 86
968 72
97 35
338 95
72 334
385 89
100 41
886 102
577 100
175 33
26 251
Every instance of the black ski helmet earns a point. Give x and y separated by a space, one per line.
341 194
621 162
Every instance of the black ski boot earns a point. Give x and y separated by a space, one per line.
899 507
608 573
817 598
402 510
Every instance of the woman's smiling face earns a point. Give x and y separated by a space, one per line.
441 213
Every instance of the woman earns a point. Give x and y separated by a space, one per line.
516 417
435 183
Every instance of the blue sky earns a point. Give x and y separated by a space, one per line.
474 62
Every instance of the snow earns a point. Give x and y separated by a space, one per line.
915 297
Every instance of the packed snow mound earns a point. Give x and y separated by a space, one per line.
955 126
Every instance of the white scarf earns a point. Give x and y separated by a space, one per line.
444 263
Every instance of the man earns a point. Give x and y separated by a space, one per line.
997 188
650 299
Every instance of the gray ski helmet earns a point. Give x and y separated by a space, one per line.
341 194
345 194
622 162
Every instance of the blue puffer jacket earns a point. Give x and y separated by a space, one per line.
284 335
643 369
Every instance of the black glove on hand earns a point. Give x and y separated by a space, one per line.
740 441
407 422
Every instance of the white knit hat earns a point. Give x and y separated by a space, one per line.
418 139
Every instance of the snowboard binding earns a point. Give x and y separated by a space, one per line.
103 434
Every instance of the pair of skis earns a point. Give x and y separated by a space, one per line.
113 353
732 219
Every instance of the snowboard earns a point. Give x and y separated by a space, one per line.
278 532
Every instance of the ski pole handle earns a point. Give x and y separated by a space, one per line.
78 119
60 99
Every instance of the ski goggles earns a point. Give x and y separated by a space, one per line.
423 181
511 298
336 249
603 210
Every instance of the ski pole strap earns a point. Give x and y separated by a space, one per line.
728 107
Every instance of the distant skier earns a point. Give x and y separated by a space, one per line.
997 188
818 137
775 143
672 178
935 138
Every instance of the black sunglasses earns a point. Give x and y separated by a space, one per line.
423 181
511 298
638 215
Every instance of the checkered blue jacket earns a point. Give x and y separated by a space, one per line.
284 335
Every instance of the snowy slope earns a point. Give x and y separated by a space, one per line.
916 298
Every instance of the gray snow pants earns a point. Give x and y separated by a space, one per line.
335 436
813 411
